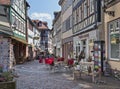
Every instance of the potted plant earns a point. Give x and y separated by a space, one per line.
76 65
7 80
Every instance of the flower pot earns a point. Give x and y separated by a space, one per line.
8 85
77 67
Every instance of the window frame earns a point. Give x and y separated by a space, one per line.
113 33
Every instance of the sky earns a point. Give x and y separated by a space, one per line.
43 10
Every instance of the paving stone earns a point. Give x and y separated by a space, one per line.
33 75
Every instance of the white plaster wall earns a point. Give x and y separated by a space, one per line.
31 33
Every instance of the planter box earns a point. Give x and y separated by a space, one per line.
8 85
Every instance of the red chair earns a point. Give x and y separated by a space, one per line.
49 61
40 60
70 62
46 60
60 59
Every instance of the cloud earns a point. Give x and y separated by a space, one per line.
41 16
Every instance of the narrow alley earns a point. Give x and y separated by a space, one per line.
33 75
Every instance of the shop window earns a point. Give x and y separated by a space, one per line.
114 46
115 49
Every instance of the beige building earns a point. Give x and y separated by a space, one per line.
66 20
112 32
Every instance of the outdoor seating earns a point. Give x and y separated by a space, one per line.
59 64
84 69
70 64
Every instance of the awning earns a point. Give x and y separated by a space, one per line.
20 40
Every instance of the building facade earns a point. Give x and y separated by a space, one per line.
44 36
66 28
57 34
13 33
33 40
87 26
18 18
112 32
50 42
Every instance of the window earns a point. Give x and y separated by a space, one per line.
117 25
77 14
85 9
114 36
19 25
91 6
68 24
24 28
75 17
13 20
111 28
70 21
16 23
80 13
40 24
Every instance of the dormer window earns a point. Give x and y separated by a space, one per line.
40 24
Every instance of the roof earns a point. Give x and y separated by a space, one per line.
5 2
42 25
27 4
60 2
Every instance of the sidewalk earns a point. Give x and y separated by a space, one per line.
111 82
104 83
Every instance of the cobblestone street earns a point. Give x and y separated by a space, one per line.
33 75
